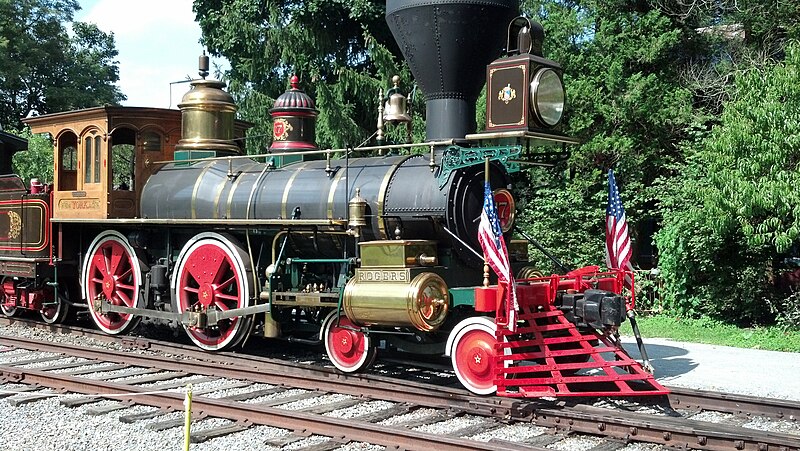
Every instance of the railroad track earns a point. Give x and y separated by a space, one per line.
673 422
139 369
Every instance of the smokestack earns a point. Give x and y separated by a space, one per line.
447 45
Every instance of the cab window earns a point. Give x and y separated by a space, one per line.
92 145
88 153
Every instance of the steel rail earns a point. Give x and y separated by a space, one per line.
670 431
271 373
244 413
742 405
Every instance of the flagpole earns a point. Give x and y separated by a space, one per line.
485 260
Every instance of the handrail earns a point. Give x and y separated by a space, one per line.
430 144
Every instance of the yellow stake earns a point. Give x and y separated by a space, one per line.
187 403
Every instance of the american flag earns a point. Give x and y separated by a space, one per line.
490 235
618 241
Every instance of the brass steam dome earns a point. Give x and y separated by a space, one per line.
208 114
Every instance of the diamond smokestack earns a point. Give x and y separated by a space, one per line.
448 44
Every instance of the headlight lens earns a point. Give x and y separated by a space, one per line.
547 97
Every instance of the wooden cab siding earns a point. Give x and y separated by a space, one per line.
83 186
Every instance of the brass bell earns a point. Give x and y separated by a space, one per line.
395 110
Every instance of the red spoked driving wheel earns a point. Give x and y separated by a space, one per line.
471 346
348 348
212 275
111 271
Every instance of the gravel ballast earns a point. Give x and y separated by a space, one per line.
46 425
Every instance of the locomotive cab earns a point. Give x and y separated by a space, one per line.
104 155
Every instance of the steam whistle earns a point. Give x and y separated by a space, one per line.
203 65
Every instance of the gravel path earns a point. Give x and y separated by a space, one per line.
754 372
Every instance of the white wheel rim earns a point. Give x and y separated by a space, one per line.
476 323
8 311
56 315
101 239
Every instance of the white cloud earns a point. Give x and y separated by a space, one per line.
158 43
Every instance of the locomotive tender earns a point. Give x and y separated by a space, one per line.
157 213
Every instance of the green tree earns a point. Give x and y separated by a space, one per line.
733 215
37 161
341 50
44 69
738 34
625 103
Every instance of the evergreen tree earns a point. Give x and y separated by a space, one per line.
341 50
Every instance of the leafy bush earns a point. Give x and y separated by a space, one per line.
787 313
649 287
733 212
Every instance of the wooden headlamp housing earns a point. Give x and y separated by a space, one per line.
517 97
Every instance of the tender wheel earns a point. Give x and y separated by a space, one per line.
212 275
348 349
7 309
57 311
471 349
111 270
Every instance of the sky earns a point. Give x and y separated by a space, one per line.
158 43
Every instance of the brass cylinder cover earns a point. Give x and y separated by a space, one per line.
207 115
423 303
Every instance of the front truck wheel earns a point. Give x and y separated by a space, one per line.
348 348
471 349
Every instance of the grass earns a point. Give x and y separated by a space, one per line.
709 331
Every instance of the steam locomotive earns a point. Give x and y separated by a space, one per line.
159 214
